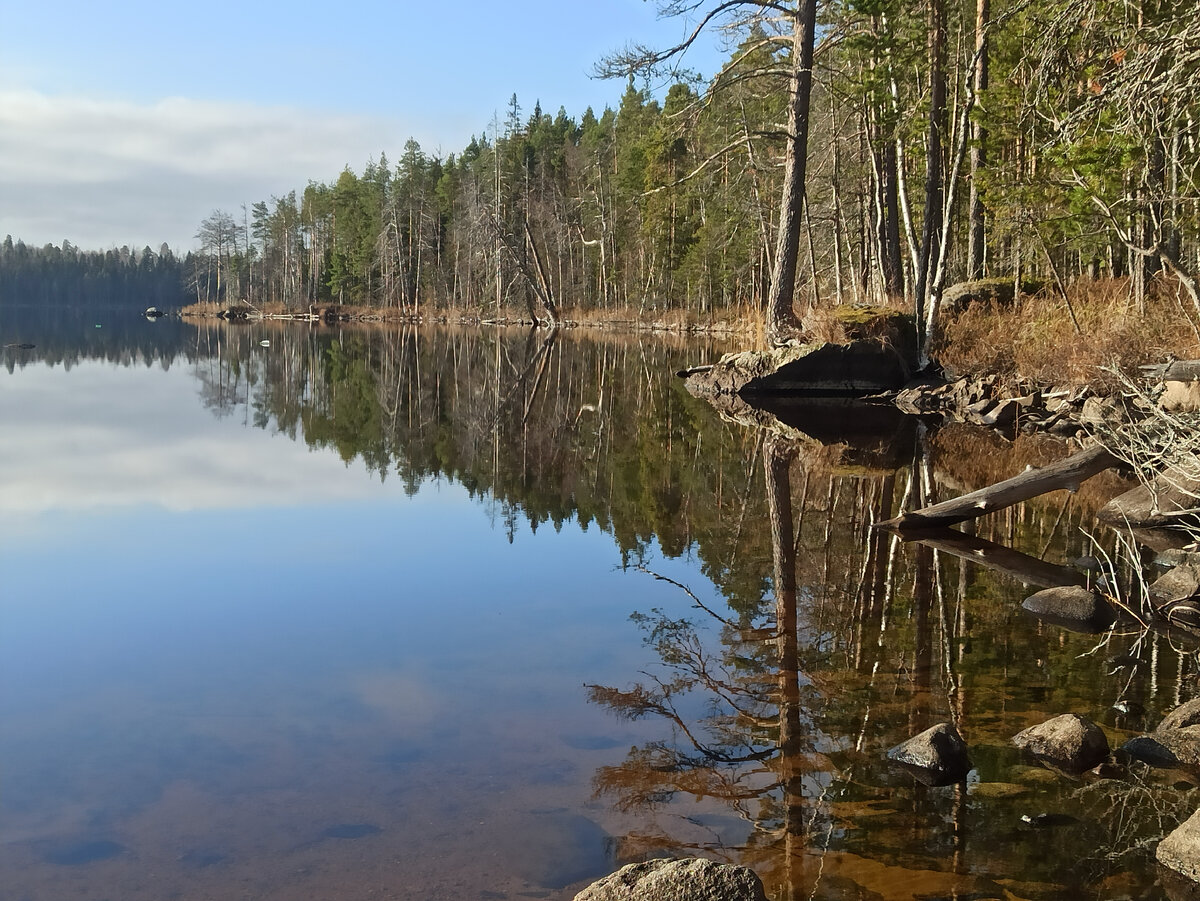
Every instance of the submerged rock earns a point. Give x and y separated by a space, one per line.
1072 607
1181 849
1069 742
1176 886
937 756
1048 820
689 879
1178 747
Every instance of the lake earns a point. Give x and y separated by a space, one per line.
450 613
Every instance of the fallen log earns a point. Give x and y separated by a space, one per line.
1066 473
1175 371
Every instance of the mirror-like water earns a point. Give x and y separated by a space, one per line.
454 614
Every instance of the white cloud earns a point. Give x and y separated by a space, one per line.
101 437
106 172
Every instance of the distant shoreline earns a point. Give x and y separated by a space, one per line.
616 320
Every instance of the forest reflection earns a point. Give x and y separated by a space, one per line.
829 641
546 427
779 713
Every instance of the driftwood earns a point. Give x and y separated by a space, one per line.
1066 473
999 558
1175 371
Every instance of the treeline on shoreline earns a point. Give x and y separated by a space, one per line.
58 275
1019 139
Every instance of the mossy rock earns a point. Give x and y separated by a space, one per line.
999 291
855 323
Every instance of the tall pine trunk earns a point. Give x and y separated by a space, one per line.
781 319
935 175
976 241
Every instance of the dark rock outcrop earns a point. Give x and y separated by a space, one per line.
843 370
689 879
1070 742
938 756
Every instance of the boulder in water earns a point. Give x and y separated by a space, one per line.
689 879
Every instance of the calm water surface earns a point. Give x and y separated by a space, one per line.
374 614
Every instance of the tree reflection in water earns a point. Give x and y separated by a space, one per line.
780 714
833 641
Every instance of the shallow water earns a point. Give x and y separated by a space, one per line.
350 616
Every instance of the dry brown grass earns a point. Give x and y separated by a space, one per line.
1035 341
202 308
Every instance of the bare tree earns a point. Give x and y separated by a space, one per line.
219 237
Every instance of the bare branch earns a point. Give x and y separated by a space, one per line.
637 58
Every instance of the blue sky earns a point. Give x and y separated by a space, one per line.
129 124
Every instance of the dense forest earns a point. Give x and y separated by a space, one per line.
66 275
887 149
944 141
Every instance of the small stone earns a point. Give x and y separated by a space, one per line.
1072 607
938 755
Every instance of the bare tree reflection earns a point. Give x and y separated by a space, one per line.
756 751
779 713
